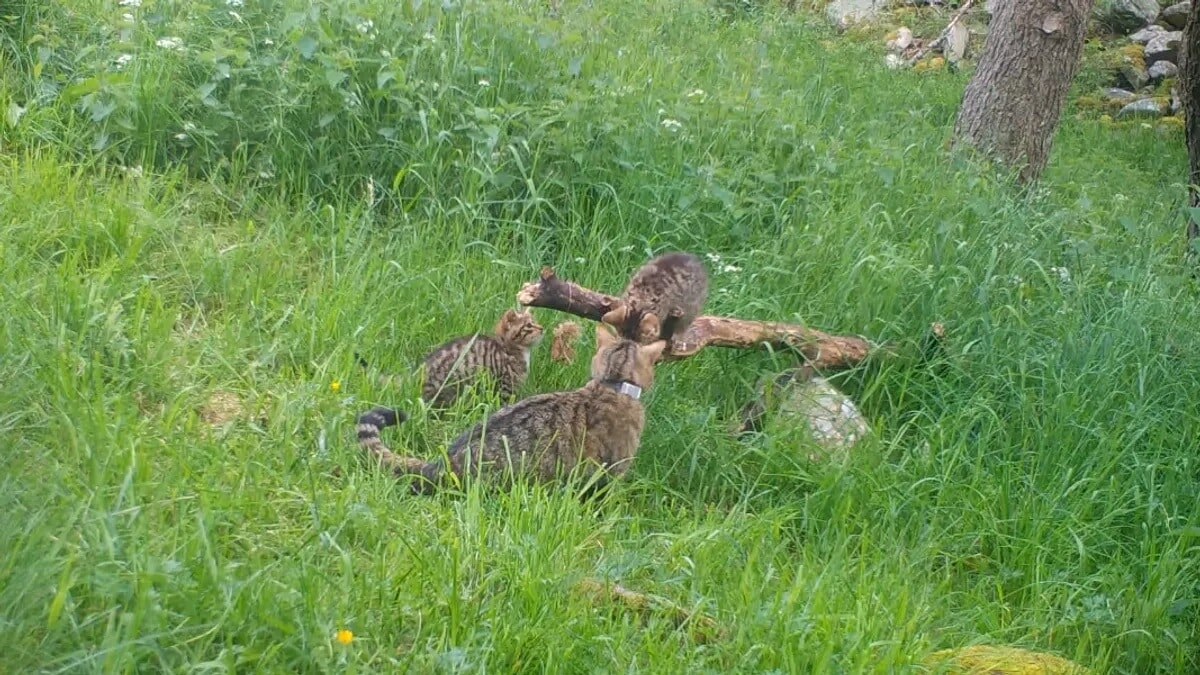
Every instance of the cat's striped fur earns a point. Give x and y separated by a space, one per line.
662 299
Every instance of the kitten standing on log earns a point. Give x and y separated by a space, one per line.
662 299
547 436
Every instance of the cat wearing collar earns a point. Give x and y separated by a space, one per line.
595 429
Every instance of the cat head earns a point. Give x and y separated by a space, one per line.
620 360
519 328
635 325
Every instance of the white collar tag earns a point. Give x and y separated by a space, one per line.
631 390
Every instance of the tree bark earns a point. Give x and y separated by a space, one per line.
1189 97
1013 104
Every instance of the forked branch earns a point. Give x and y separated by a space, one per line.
821 350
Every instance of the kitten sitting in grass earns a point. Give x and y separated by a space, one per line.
500 360
662 299
547 437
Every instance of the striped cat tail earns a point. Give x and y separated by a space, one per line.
369 425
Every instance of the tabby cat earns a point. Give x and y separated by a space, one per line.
597 427
501 360
462 363
662 299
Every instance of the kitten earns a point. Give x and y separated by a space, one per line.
547 436
463 362
662 299
501 359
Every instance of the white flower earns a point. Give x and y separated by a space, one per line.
124 60
365 26
894 62
181 137
130 3
268 42
235 3
127 16
672 125
430 37
695 93
189 126
485 83
730 268
169 43
581 260
662 111
133 171
236 17
1063 273
713 258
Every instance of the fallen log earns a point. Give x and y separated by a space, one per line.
821 350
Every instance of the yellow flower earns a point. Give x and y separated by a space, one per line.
335 386
344 636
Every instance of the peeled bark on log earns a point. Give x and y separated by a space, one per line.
822 351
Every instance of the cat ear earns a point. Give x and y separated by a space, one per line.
653 351
615 317
605 336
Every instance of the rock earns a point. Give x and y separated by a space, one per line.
846 12
900 40
829 418
1125 16
1176 15
1133 76
1118 94
1162 70
1163 47
1146 107
1176 105
1143 36
957 37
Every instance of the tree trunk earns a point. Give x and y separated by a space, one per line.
1189 97
1013 104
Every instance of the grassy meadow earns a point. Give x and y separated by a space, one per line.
209 206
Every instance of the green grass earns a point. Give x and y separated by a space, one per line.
338 191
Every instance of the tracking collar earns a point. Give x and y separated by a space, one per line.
623 387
